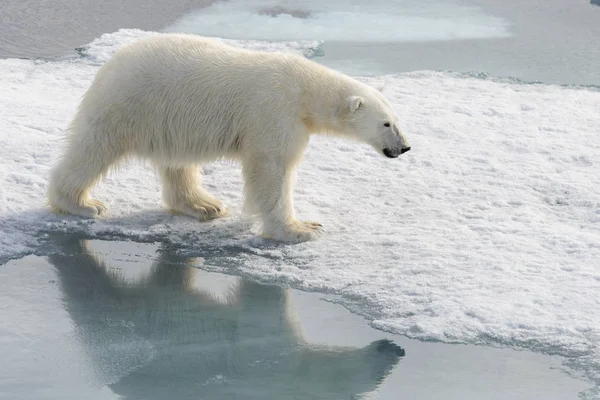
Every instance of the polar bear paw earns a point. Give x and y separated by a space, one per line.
88 208
297 231
200 207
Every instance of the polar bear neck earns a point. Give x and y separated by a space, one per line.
324 95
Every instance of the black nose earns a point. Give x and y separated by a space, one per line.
391 153
404 150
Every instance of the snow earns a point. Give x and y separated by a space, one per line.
379 21
487 231
102 48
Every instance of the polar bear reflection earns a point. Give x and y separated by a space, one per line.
163 337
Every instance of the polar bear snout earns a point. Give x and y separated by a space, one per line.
393 153
394 142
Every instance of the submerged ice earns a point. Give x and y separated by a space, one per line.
488 231
352 21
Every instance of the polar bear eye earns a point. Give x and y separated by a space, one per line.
387 124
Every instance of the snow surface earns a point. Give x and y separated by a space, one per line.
488 231
102 48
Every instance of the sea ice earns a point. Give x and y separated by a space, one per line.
488 231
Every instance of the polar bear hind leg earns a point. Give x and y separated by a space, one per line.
82 166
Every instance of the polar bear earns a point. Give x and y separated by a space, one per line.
182 100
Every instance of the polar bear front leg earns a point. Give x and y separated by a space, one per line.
183 193
269 184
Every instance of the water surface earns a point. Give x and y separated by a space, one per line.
552 41
106 320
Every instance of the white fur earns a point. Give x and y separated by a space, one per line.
182 100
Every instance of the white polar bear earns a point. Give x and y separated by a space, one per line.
182 100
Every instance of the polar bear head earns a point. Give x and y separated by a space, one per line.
370 118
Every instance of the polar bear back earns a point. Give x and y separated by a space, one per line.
175 97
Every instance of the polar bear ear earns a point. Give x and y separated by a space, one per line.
354 103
